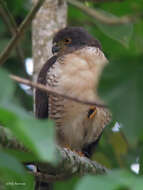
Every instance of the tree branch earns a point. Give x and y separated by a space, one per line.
4 55
7 17
71 163
51 91
12 27
80 164
91 12
99 16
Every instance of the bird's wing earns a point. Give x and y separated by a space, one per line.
41 97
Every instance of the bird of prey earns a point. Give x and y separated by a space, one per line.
73 70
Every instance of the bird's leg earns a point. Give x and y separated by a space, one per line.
81 154
67 147
76 151
92 112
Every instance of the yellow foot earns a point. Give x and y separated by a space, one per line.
92 112
67 147
79 153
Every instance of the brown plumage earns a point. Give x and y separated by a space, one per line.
74 70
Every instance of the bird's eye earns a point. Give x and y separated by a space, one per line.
67 40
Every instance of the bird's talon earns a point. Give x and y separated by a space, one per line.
75 151
79 153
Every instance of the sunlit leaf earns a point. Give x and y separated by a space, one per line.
119 143
102 159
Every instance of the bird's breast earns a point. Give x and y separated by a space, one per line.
76 75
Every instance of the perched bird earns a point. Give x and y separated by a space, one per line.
73 70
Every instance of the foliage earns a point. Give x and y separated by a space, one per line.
122 82
121 86
118 179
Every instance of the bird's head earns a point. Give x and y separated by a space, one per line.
70 39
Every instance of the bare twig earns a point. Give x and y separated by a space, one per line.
20 31
7 17
51 91
98 15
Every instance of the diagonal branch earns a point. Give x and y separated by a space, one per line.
71 164
52 91
91 12
77 163
98 15
4 55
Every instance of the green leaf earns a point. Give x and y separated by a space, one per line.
122 33
115 180
121 86
13 174
17 7
21 156
36 135
119 32
68 184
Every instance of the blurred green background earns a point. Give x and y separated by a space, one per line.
121 86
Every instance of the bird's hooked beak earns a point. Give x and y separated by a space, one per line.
55 48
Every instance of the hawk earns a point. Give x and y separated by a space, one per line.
74 70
